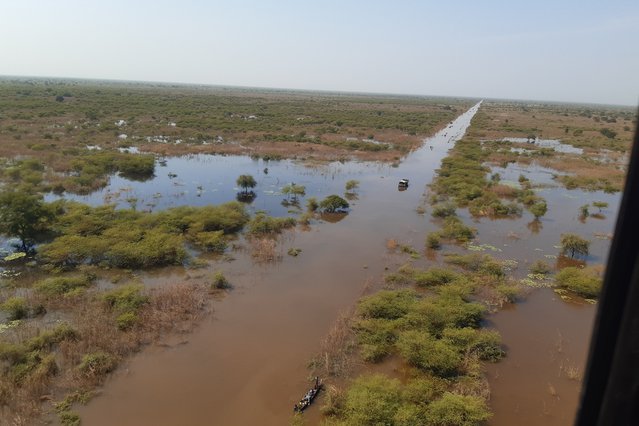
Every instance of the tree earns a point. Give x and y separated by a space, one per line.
574 244
600 205
24 216
538 209
333 203
246 182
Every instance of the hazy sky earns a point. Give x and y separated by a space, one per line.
582 51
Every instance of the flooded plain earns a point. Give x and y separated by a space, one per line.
247 364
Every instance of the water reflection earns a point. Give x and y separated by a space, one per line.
333 217
245 197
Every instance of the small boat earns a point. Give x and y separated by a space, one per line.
403 182
307 400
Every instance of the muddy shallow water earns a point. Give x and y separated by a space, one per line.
248 363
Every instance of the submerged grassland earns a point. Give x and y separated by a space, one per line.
514 133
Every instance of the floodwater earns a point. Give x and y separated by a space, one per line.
248 363
555 144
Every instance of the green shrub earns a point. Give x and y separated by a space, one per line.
136 166
47 339
126 320
220 282
97 364
68 418
423 390
213 241
16 307
60 286
434 240
538 209
436 314
372 400
262 224
486 344
444 210
425 352
387 304
312 204
130 239
539 267
581 281
376 337
458 410
454 229
509 292
435 277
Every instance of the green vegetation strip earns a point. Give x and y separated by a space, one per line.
437 334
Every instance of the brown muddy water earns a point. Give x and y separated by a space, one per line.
247 364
